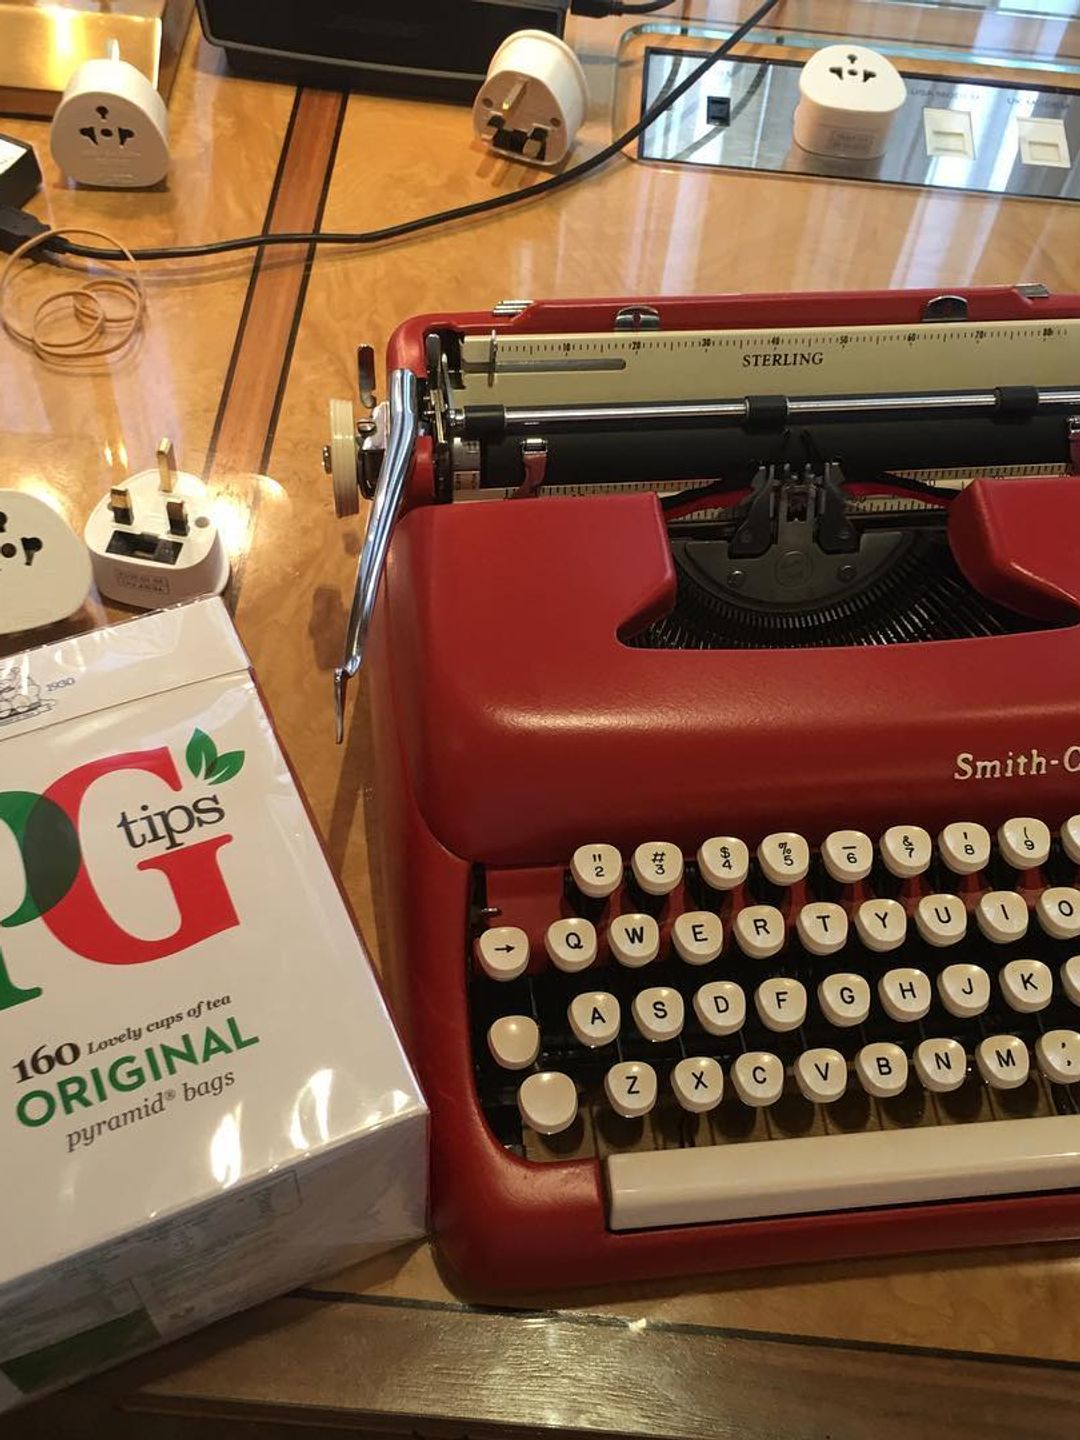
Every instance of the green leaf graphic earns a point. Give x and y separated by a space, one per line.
226 766
201 754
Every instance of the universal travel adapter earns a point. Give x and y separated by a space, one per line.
111 128
533 101
44 567
849 97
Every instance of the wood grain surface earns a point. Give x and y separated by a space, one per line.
237 364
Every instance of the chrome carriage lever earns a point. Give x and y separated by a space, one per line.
403 428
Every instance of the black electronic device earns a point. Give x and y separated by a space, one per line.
438 49
20 173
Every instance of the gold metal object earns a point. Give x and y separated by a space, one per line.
120 504
176 512
514 96
45 43
166 464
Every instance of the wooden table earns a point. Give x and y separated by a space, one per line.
236 365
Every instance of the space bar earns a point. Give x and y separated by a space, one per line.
651 1188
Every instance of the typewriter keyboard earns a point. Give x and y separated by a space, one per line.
770 1027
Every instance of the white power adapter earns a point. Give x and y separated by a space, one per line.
533 101
111 128
153 540
44 567
849 97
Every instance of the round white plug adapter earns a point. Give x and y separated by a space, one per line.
111 127
534 99
849 97
44 567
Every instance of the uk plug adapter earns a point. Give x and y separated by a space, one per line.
533 101
111 128
44 567
153 540
849 97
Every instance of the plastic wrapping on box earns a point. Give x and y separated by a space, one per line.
203 1099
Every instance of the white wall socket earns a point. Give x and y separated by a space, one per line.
849 97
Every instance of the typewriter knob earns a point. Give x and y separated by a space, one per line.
340 458
354 456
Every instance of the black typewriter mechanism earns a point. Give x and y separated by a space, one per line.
799 563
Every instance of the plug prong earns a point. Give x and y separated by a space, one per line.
166 464
176 511
120 505
514 96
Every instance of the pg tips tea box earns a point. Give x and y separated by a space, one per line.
202 1099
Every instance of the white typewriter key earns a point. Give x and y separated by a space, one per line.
594 1017
503 952
720 1007
881 924
723 861
634 939
882 1069
659 1013
548 1102
844 999
514 1042
698 1083
821 1075
905 994
964 847
848 855
760 931
1058 909
1057 1054
758 1078
1027 985
780 1003
1002 916
1003 1061
698 936
1024 842
906 850
941 919
823 927
658 867
964 990
941 1065
1070 978
597 870
571 944
631 1088
785 857
1070 838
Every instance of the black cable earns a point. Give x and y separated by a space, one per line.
441 217
600 9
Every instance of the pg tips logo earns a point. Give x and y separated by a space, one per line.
58 889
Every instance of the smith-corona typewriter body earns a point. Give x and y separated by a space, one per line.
727 735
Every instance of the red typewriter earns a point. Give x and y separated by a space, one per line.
725 679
